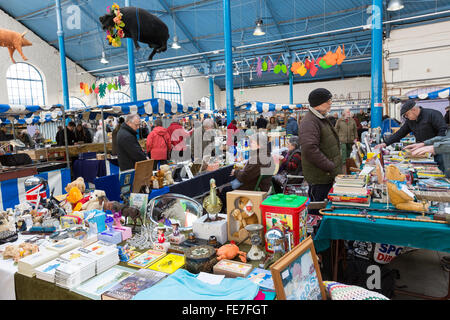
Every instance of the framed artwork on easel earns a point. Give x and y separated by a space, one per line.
297 276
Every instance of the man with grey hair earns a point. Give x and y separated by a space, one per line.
128 149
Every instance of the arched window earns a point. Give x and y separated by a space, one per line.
25 85
169 90
76 103
117 97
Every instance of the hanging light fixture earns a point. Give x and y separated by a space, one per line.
175 44
103 60
395 5
258 30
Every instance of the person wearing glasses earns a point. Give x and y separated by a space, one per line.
423 123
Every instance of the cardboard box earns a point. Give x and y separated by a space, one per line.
232 269
247 206
111 236
203 230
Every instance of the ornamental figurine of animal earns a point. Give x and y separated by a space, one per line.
212 203
134 213
14 41
230 251
137 24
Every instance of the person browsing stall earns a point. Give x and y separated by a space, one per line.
158 143
129 150
423 123
319 142
348 134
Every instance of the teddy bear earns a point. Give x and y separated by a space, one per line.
74 197
244 214
79 183
4 221
95 201
399 198
168 180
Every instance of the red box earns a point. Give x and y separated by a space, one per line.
288 211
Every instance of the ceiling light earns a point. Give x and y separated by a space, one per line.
175 44
258 30
395 5
103 60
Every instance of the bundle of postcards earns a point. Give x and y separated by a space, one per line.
106 255
27 266
350 190
79 268
434 184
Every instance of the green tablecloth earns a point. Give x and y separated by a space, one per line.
424 235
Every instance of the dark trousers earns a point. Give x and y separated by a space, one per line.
318 192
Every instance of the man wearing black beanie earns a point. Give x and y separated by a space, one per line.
321 155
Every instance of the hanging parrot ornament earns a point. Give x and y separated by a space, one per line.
259 68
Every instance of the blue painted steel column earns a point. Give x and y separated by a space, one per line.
152 87
228 60
131 64
291 87
377 67
211 93
62 55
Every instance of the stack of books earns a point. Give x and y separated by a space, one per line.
129 287
350 190
104 254
65 245
434 184
27 266
79 268
47 271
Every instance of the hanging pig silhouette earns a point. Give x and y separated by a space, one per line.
14 41
140 25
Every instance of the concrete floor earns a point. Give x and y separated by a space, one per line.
421 272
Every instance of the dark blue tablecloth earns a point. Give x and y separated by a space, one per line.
200 183
90 169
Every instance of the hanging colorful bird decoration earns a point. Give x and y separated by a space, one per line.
259 68
116 84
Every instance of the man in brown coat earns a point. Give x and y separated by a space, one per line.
321 156
348 133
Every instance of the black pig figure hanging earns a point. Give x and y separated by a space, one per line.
137 24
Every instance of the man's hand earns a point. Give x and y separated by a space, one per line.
414 146
380 146
423 150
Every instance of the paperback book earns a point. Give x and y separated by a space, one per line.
129 287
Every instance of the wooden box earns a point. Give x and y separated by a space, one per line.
243 207
37 154
232 269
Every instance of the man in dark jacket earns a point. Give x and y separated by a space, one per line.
71 137
261 123
423 123
114 136
128 149
292 126
321 155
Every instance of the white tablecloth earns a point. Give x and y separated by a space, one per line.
7 270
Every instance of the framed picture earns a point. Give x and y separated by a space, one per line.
296 275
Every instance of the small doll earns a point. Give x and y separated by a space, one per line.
161 238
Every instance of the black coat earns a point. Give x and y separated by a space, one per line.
261 123
71 138
128 149
429 124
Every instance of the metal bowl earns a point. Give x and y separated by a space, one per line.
174 206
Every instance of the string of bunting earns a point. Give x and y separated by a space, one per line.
301 68
100 89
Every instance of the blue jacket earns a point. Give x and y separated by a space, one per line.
292 127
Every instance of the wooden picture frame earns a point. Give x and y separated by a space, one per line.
297 276
142 175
